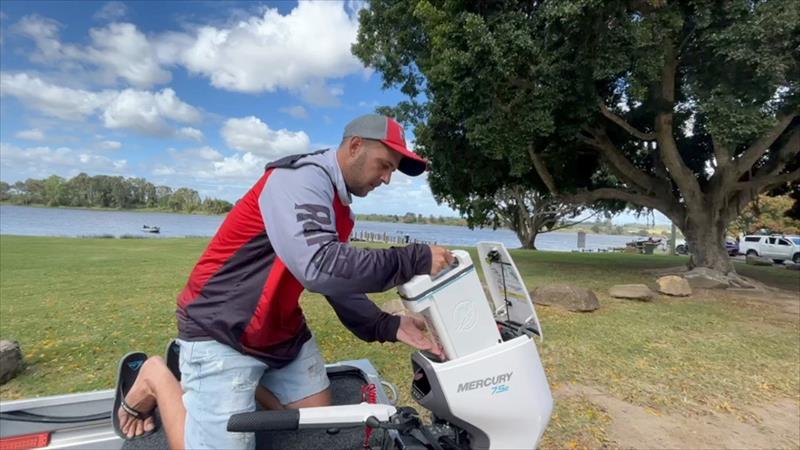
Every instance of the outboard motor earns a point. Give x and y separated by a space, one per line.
492 385
490 392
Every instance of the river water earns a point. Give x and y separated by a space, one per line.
33 221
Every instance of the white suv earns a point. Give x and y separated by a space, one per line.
777 248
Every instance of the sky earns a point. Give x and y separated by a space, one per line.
187 94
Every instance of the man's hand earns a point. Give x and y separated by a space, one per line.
412 332
441 258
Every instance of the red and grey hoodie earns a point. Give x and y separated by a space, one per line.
288 233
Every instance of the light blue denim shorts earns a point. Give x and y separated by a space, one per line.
218 381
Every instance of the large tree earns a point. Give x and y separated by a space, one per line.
686 107
528 213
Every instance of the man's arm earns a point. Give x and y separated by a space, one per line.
296 205
364 319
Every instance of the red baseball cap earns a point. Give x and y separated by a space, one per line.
390 133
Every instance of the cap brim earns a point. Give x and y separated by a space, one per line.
411 164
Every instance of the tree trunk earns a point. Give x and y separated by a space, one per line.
527 237
706 242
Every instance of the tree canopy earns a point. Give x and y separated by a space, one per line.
686 107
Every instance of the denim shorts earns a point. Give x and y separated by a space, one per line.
218 381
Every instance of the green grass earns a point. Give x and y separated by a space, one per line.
77 305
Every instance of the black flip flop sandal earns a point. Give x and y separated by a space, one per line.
172 356
129 368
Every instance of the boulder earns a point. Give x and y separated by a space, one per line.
792 266
705 278
755 260
674 285
631 291
10 360
571 298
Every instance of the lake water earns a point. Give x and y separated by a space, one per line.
22 220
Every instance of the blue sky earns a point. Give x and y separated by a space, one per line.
195 94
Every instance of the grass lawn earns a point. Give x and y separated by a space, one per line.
77 305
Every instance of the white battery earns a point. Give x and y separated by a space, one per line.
454 307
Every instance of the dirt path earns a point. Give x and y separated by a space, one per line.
777 425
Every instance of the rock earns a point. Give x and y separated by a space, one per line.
674 285
705 278
571 298
755 260
10 360
792 266
631 291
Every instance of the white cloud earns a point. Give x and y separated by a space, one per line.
190 133
250 134
31 135
239 167
298 112
402 195
204 153
57 101
41 162
44 33
119 50
124 52
162 170
151 113
146 112
111 11
206 163
109 145
299 50
318 93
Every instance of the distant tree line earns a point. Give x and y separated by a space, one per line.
103 191
410 217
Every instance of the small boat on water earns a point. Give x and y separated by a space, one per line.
149 229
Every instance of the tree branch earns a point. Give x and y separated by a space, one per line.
680 173
658 165
786 153
624 167
589 197
608 114
620 165
541 169
753 153
721 153
571 224
763 182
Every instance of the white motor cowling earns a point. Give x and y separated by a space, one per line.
492 387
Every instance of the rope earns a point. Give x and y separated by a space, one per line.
369 394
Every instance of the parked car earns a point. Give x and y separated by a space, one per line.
775 247
682 248
732 247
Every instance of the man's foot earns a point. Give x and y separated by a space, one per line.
135 413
